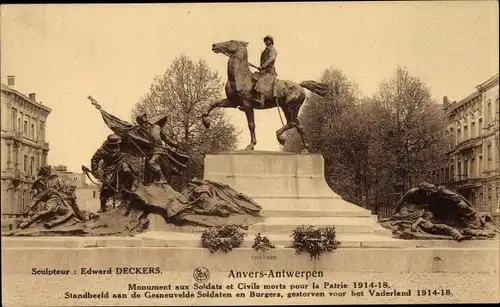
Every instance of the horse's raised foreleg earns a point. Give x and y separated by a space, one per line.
251 126
300 129
289 125
223 103
279 133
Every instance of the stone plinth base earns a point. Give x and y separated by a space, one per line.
292 190
453 275
278 180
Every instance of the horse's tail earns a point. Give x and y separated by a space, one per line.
317 88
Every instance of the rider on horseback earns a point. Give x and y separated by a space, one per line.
240 89
265 83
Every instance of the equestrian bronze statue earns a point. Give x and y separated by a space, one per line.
241 94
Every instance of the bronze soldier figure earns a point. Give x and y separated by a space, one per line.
56 199
265 84
158 138
426 224
445 199
115 173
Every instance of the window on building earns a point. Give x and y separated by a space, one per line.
488 113
466 169
473 168
480 127
459 137
32 166
450 139
489 157
498 198
459 170
480 168
25 130
452 173
42 131
24 197
25 164
466 133
32 131
13 119
473 130
497 107
497 150
37 125
490 200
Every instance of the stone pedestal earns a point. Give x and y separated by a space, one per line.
278 180
292 190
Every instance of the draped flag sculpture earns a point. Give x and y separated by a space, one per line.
137 142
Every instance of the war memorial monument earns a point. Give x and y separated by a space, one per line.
260 227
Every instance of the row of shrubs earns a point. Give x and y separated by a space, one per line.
314 241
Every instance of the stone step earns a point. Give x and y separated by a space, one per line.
150 239
179 239
173 239
313 207
312 213
347 241
285 225
307 203
280 240
378 229
381 231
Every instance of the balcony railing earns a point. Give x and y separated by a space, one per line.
17 175
469 143
13 134
18 136
464 181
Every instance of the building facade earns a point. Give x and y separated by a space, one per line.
87 194
474 152
23 146
76 179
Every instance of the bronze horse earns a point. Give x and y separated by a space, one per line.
240 92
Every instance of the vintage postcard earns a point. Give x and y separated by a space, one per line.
250 153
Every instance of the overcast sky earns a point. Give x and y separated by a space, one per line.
66 52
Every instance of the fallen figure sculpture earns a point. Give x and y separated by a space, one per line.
437 212
202 204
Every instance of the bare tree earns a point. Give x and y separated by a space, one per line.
411 126
335 127
182 92
374 147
